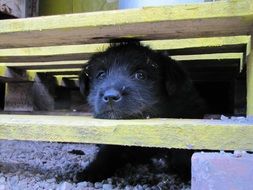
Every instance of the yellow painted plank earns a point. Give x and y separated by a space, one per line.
154 44
9 73
170 133
223 18
12 74
30 75
67 71
250 82
53 50
3 71
209 56
46 65
196 42
53 70
66 76
214 56
79 63
61 81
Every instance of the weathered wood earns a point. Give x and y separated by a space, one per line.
18 96
250 81
30 96
15 74
43 92
213 56
170 133
56 71
224 18
66 82
45 65
82 52
12 74
66 76
217 64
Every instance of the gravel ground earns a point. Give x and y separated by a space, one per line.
43 165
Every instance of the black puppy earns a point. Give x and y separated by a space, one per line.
130 81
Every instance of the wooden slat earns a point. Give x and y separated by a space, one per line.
250 81
82 52
224 18
67 82
86 55
57 71
176 133
213 56
67 76
45 65
17 75
12 74
228 60
79 64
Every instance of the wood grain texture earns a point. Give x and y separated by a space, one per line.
250 81
176 133
82 52
224 18
45 65
18 96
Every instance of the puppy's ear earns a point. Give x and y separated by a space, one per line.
176 79
84 81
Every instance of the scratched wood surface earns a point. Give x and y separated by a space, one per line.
231 44
176 133
223 18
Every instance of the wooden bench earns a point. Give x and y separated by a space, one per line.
45 49
59 45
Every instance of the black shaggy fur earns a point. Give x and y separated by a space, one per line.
130 81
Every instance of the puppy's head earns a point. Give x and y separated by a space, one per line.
129 80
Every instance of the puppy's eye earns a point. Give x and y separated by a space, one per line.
140 75
101 75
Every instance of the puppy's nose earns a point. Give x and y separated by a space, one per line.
111 95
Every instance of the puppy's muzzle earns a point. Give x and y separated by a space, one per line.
111 96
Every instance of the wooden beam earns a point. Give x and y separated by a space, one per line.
223 18
170 133
18 96
82 52
67 82
54 53
12 74
250 82
67 76
192 62
201 45
70 71
18 75
213 56
45 65
79 64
